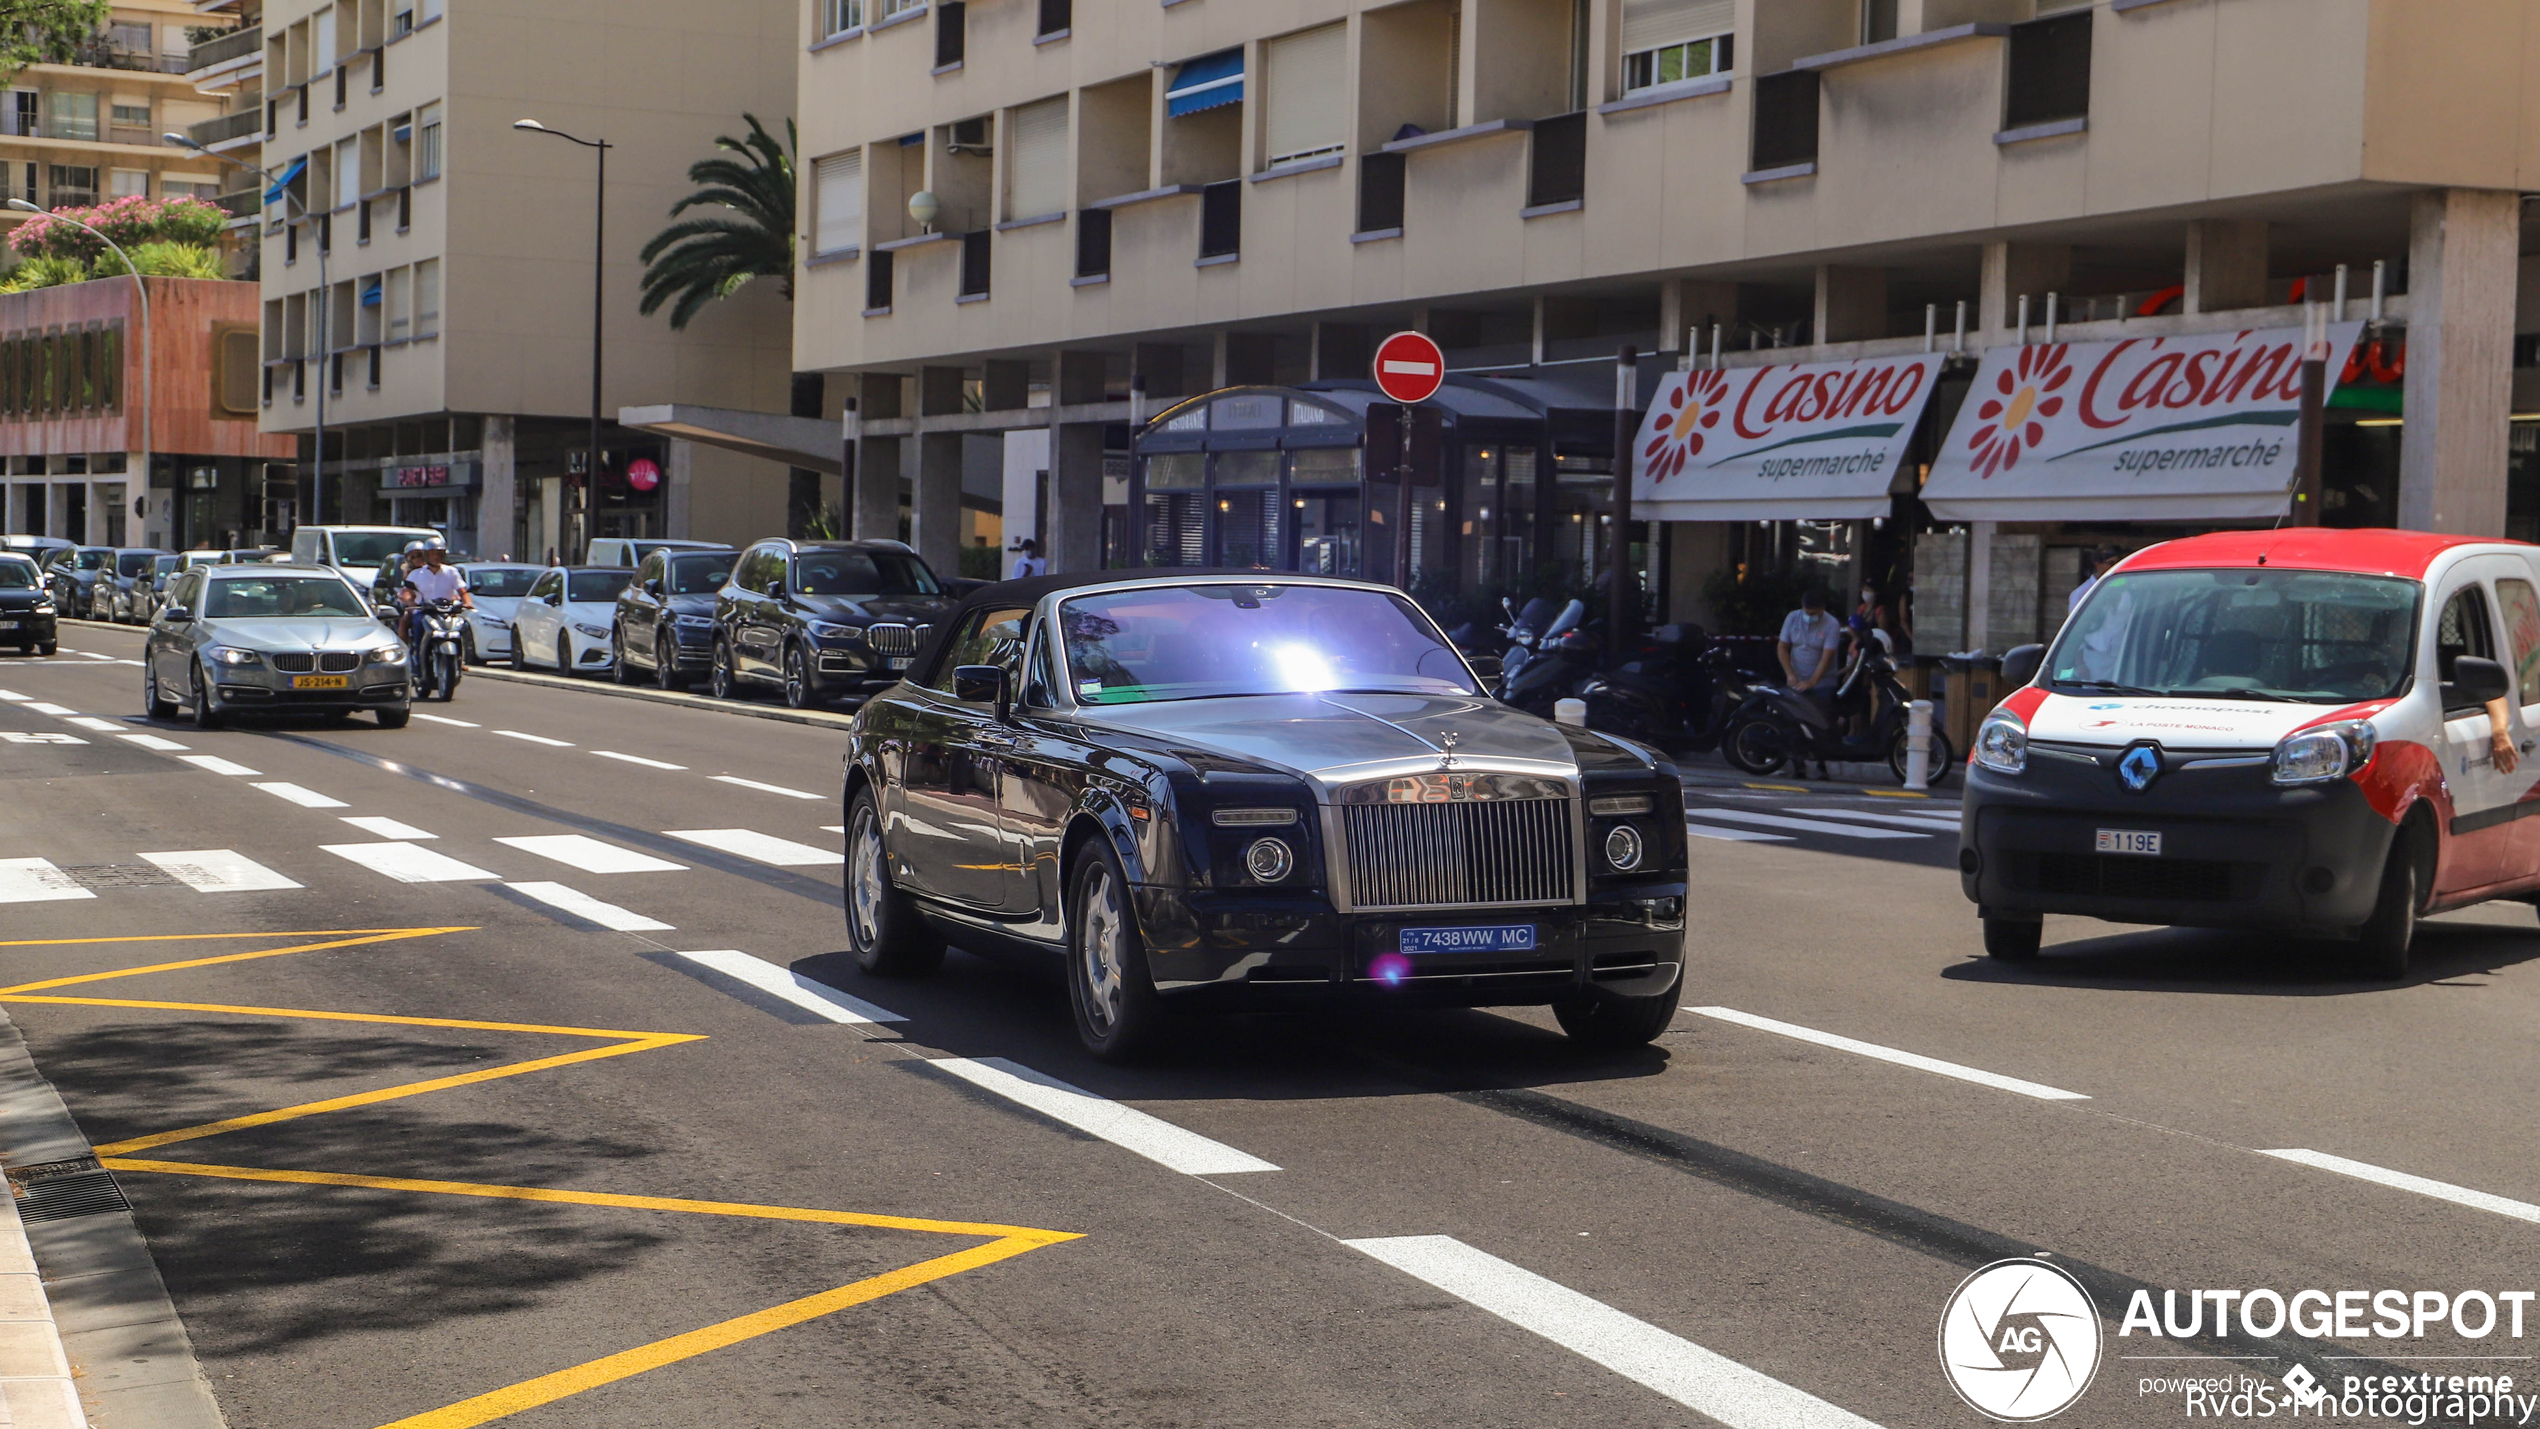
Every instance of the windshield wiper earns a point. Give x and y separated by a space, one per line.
2237 692
2109 686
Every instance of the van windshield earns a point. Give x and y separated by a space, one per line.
356 549
2313 636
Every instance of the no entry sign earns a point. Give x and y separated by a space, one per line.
1409 367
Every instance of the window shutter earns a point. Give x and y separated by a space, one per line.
1037 159
1647 24
1307 110
838 199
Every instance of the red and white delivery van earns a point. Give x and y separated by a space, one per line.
2290 730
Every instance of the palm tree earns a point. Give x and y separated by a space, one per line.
698 260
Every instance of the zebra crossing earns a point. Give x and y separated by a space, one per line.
1919 830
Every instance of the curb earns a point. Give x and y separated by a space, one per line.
88 1336
824 719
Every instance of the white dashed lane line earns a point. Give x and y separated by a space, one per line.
218 765
46 707
1742 836
1931 823
152 741
386 828
102 726
12 697
1699 1379
408 863
637 759
590 854
35 880
765 848
445 719
1890 1054
784 984
1127 1127
305 798
219 870
535 738
589 909
2401 1180
763 788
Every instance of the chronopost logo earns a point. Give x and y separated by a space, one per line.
2019 1341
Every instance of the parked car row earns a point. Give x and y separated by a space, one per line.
122 584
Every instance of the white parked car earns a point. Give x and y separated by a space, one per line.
631 551
497 590
564 620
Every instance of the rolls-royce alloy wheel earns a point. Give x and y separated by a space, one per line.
1119 1017
888 936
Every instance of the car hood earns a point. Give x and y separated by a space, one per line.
591 612
498 606
1339 739
21 599
2173 722
915 609
694 604
316 632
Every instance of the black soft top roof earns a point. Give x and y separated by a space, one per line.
1030 589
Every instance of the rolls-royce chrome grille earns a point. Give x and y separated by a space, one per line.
1447 854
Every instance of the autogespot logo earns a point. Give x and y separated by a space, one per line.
2020 1341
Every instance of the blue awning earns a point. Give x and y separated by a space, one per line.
283 180
370 294
1206 83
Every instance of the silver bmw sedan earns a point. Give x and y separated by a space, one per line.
295 639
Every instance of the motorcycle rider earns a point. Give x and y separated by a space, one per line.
431 581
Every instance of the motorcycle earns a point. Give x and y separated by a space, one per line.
1777 726
1542 669
1677 693
439 636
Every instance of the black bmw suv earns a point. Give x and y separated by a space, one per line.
665 616
822 620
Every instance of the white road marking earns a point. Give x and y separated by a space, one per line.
2423 1186
219 870
92 722
763 788
1701 1380
35 880
793 987
1936 823
1743 836
94 655
218 765
445 719
591 855
407 863
47 737
636 759
583 905
1808 826
1155 1139
1890 1054
12 697
43 707
766 848
305 798
152 741
833 828
535 738
386 828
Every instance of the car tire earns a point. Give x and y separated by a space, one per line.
564 656
2013 940
1609 1022
884 929
467 647
1119 1015
619 671
798 694
520 653
154 704
2381 944
724 680
395 719
666 674
1756 746
47 649
205 717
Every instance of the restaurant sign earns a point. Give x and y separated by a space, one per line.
1817 441
2165 428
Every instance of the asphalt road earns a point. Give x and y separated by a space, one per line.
602 1129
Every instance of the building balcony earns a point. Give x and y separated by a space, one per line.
105 56
229 128
222 49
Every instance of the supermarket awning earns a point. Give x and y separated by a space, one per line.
1817 441
1206 83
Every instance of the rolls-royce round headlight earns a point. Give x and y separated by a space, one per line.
1623 848
1269 860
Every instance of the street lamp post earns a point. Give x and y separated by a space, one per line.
326 301
599 247
140 287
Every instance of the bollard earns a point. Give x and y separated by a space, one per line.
1570 712
1918 745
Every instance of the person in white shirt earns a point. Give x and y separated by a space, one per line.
432 581
1027 560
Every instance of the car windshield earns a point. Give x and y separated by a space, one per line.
161 565
862 573
501 582
596 586
699 575
135 563
369 548
1204 642
2313 636
87 559
17 575
280 597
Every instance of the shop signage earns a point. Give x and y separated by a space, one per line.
1815 441
427 478
2164 428
643 474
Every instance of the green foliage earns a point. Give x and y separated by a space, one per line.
979 563
1754 602
164 260
43 271
45 31
697 260
130 221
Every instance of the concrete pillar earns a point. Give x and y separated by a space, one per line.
2462 247
1007 386
1075 508
1979 584
935 501
679 487
498 504
1160 363
873 511
1079 378
1217 360
1851 303
550 522
2226 265
2013 269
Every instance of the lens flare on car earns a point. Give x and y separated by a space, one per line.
1389 969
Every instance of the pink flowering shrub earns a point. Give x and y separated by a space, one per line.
129 221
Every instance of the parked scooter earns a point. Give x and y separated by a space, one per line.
1778 726
1678 691
440 632
1542 669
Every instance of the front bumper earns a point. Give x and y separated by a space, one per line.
246 688
21 628
2236 850
1266 949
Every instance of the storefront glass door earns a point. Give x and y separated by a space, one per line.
1327 525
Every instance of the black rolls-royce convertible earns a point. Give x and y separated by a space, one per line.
1230 790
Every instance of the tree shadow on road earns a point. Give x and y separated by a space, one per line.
2245 964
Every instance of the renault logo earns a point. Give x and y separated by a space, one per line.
2138 767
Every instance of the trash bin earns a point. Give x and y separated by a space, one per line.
1975 686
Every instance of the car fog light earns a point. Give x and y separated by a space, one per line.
1269 860
1623 848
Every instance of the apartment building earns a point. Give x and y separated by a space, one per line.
427 269
76 133
1127 202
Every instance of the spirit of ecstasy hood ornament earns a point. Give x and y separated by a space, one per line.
1446 749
